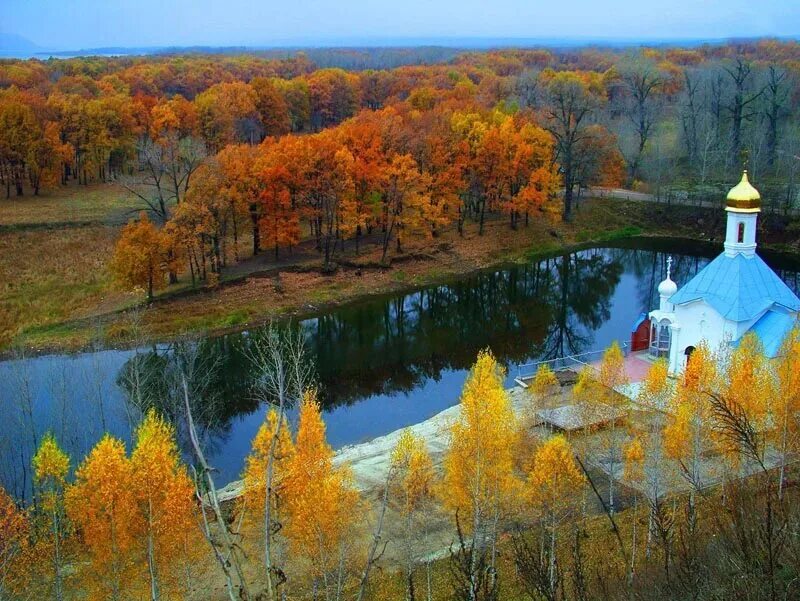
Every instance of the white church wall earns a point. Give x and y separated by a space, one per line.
698 321
748 222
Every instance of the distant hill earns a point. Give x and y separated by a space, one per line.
13 45
358 53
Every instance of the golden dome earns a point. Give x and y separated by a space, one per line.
743 195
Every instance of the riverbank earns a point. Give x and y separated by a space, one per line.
257 290
369 461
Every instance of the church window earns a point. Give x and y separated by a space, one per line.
664 338
740 237
660 339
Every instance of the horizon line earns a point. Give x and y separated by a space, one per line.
399 42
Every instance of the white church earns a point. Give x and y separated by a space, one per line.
734 294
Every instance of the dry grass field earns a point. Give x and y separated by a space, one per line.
50 276
70 205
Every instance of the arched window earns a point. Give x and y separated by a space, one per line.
660 339
740 236
664 338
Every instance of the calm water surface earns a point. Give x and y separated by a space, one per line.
381 364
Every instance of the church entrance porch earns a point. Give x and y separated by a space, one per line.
660 338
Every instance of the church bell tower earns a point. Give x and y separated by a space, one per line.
743 206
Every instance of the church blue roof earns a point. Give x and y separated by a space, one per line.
738 287
771 330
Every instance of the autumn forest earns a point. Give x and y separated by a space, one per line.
163 197
215 160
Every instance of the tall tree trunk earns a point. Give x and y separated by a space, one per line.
376 539
151 557
172 274
568 185
58 583
232 557
256 231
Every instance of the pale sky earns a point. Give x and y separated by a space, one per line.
75 24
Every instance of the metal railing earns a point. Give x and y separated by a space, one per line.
527 371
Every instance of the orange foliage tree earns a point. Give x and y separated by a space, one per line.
101 505
228 114
271 106
14 546
164 498
238 190
139 257
364 139
405 200
320 502
279 223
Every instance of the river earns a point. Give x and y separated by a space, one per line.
381 363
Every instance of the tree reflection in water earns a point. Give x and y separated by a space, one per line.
219 383
376 353
390 345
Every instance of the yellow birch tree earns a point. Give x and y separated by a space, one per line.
268 453
414 478
50 468
554 476
320 502
479 480
747 390
102 507
550 488
164 496
545 384
598 389
688 428
787 400
655 390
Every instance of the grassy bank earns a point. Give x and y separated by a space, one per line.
57 292
49 276
73 205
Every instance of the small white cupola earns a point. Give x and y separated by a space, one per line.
666 289
743 206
